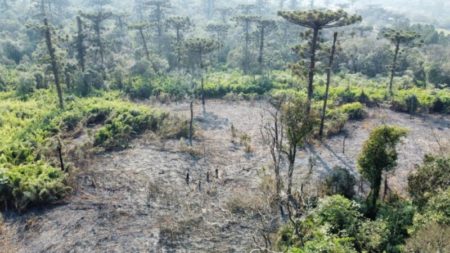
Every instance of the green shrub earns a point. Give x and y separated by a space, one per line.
341 215
25 87
430 178
398 215
355 111
32 184
125 124
335 122
139 88
341 182
373 236
437 210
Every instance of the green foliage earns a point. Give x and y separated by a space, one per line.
431 230
378 155
25 87
373 235
437 210
341 182
126 123
430 178
340 214
355 111
220 84
27 129
138 88
398 215
32 184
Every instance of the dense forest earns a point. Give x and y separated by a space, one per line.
225 126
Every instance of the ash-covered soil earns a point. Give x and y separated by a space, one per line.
138 200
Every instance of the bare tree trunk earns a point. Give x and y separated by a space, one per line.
394 66
325 101
312 66
54 65
178 47
100 44
291 158
246 48
144 41
80 46
290 174
60 155
261 47
191 123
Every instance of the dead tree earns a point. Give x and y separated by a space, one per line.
272 133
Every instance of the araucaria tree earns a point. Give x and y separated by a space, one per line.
265 26
140 28
180 25
157 18
220 33
97 19
317 20
53 61
378 155
246 22
398 38
198 49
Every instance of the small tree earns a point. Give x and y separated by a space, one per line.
317 20
377 156
397 38
299 122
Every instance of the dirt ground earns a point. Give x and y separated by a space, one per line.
138 199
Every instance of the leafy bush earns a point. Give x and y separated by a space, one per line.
355 111
398 215
373 235
341 215
340 181
437 210
430 178
125 124
25 87
138 88
33 184
335 122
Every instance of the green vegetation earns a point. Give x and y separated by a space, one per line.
378 155
30 173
